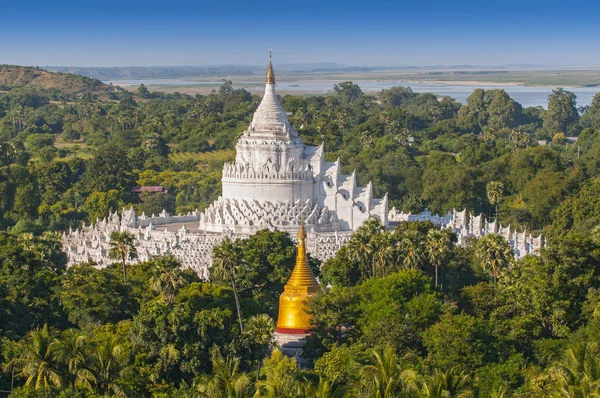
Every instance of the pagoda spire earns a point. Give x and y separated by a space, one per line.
293 317
270 74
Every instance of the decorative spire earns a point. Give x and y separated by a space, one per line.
302 275
293 317
270 74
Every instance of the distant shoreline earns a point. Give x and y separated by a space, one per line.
527 95
208 85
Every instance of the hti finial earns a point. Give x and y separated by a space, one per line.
301 231
270 74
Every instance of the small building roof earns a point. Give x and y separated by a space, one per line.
153 188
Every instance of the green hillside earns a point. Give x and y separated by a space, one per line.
12 76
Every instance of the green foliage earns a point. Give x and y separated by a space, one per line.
163 333
447 184
263 264
109 170
154 203
578 213
93 297
176 337
30 271
562 115
492 109
459 341
100 204
338 365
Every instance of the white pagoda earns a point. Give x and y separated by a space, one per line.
276 180
274 183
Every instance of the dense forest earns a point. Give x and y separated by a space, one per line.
403 312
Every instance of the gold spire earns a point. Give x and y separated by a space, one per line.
270 74
302 284
302 276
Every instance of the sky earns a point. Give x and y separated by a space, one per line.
358 33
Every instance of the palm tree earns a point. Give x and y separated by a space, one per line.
411 247
362 247
37 362
386 379
283 387
186 391
16 113
449 384
167 277
121 248
438 246
518 139
71 351
494 254
226 380
227 259
324 389
260 328
386 251
579 374
495 193
105 359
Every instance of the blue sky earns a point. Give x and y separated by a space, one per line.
426 32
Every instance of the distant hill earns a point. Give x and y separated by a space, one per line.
155 72
12 76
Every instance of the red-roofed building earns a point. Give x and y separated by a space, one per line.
152 189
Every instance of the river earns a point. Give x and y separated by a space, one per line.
525 95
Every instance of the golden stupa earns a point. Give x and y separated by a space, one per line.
293 318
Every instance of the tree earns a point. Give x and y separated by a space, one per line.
450 384
324 389
364 245
37 361
29 274
176 339
494 254
411 249
104 361
122 248
519 139
591 118
579 373
93 297
142 91
579 212
458 341
226 380
335 314
227 259
396 96
339 365
109 170
347 91
394 310
259 329
438 247
447 184
167 277
280 380
562 115
386 379
267 260
99 204
495 193
558 138
491 109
